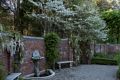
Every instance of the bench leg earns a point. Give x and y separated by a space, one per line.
70 65
59 66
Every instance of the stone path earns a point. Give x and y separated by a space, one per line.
87 72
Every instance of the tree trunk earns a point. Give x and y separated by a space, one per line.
74 57
85 52
17 16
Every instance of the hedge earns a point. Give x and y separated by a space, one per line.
118 74
104 61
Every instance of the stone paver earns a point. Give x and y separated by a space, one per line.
87 72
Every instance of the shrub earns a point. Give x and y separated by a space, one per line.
117 58
103 61
2 72
118 73
20 78
51 44
101 55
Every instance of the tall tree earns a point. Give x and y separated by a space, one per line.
87 26
107 4
11 8
112 19
47 15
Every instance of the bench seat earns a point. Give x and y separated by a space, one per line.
65 62
13 76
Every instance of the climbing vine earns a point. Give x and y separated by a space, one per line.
12 43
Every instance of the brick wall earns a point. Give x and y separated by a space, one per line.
37 43
31 44
106 48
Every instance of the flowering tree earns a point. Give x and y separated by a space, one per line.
78 21
87 26
12 43
46 15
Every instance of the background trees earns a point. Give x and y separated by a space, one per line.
112 19
107 4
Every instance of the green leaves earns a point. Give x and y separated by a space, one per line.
51 44
112 19
87 23
3 72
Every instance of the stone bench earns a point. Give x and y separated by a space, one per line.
65 62
13 76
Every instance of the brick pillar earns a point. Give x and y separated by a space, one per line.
11 64
8 62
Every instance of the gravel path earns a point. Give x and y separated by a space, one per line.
87 72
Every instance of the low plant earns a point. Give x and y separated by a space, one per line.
117 58
20 78
100 55
118 73
2 72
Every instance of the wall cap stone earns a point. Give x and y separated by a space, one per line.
32 37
